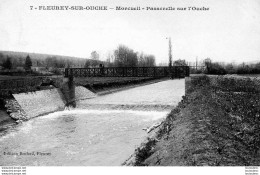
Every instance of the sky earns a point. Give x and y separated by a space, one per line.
228 32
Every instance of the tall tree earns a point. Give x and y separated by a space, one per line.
28 63
146 60
125 57
94 55
20 61
8 63
2 60
170 52
150 60
110 60
207 63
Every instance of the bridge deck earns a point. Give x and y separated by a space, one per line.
174 71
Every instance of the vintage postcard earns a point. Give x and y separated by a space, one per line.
119 83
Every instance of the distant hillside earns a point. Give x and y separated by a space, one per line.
46 60
36 55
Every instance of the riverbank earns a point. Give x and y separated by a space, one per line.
5 119
216 124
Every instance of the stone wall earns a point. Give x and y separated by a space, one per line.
14 110
40 102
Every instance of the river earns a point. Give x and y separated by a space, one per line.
101 131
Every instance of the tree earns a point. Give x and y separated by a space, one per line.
94 55
87 63
207 63
146 60
2 59
94 63
109 61
230 68
150 60
214 68
8 63
180 62
125 57
20 61
28 63
54 62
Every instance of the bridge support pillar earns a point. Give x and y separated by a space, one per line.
68 90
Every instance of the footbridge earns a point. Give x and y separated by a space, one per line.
173 72
156 72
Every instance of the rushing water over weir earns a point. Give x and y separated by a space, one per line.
102 131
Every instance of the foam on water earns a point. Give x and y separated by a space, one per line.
153 115
28 125
22 128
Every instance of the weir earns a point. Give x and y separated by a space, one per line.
40 102
51 100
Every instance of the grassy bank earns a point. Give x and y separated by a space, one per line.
216 124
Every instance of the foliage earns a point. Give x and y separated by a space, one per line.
122 56
92 63
87 64
215 69
1 59
125 57
7 64
179 62
94 55
28 63
146 60
57 71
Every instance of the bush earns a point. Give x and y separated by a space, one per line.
57 71
215 69
20 69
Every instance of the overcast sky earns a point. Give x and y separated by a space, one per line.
229 31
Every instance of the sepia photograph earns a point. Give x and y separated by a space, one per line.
119 83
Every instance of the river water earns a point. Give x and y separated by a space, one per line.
102 131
